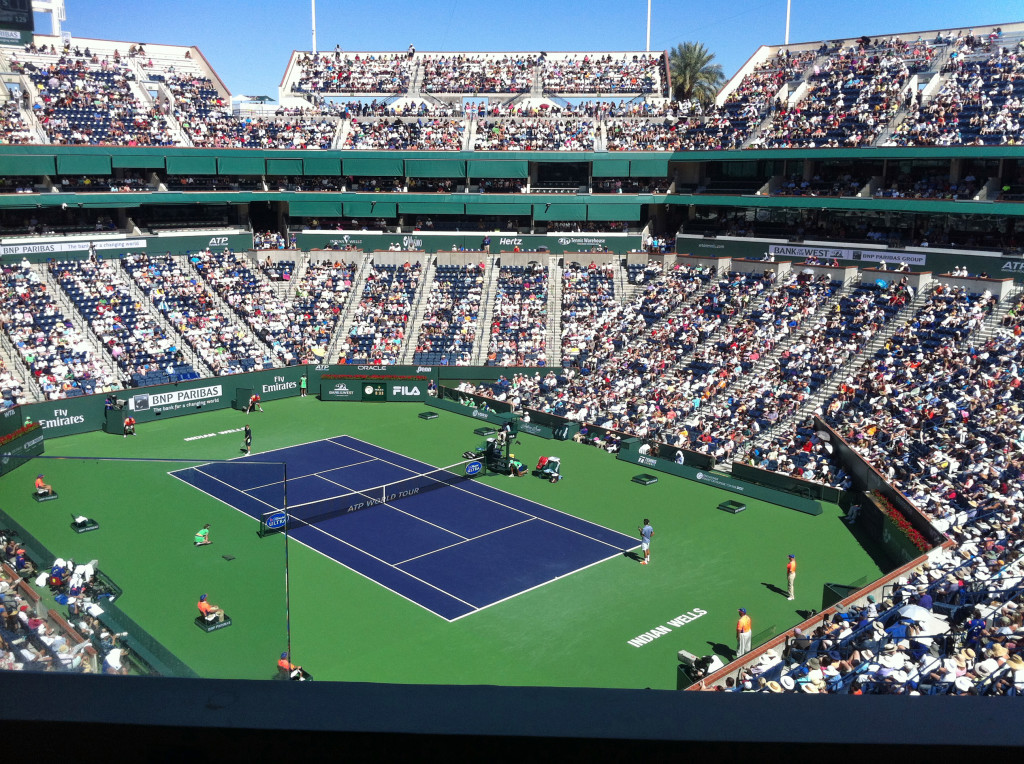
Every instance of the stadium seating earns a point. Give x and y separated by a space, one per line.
448 327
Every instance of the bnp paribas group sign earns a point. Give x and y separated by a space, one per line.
40 251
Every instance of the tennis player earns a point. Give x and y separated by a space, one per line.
646 532
247 445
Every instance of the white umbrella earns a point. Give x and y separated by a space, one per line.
933 624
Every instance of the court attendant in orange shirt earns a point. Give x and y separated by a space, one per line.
286 665
743 633
791 573
42 487
206 608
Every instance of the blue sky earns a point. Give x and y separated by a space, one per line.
248 41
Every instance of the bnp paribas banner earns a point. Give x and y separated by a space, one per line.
369 241
147 404
40 251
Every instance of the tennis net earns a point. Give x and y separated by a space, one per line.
320 511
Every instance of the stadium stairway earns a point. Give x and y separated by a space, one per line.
227 310
70 310
344 321
994 323
624 291
412 331
814 402
553 333
483 335
11 361
767 360
191 355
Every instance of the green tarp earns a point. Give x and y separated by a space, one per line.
242 165
83 164
178 165
387 166
611 168
496 168
139 161
13 164
560 211
440 207
501 208
284 167
435 168
649 168
629 212
321 165
315 209
371 209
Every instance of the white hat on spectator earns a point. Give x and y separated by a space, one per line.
963 683
985 667
787 683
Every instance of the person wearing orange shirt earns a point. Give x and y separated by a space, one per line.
791 573
286 665
743 633
42 487
206 608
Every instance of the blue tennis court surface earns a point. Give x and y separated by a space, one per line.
453 551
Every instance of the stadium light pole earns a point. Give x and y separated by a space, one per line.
648 26
314 26
788 5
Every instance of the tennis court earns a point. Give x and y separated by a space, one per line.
450 543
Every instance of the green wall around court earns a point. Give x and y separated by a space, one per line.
86 414
10 420
72 416
18 450
723 481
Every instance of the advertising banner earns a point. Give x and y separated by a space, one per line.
87 413
862 255
340 390
10 420
368 241
15 452
38 252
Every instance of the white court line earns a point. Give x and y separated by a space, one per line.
465 539
356 492
538 586
475 609
515 509
309 474
339 562
233 488
390 565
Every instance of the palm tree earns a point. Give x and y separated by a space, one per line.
694 76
